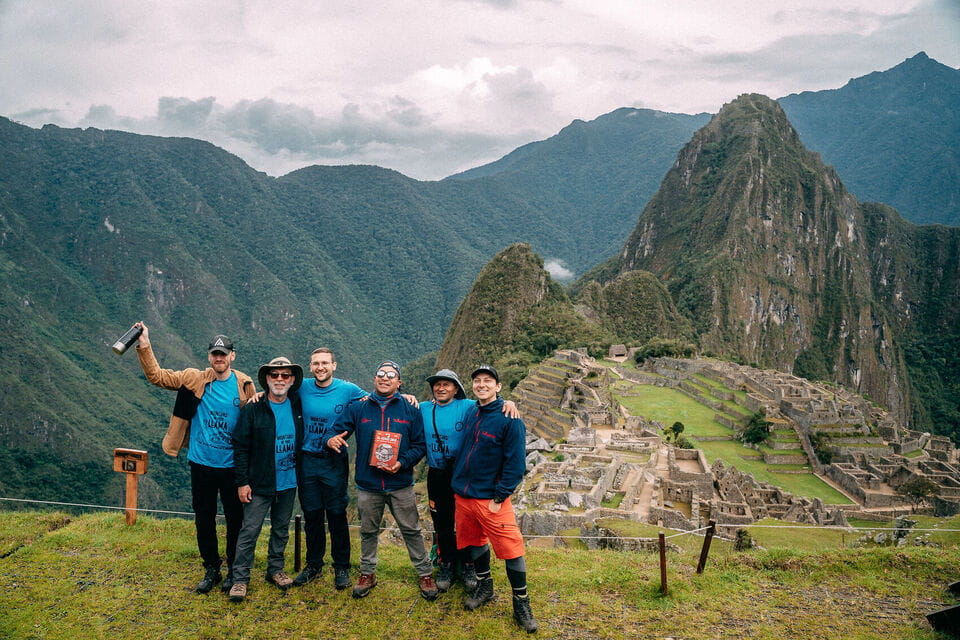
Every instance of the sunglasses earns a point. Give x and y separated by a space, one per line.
279 374
389 375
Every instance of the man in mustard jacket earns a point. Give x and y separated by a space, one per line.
204 416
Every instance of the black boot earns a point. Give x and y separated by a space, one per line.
469 577
210 578
309 574
227 581
481 596
522 613
445 577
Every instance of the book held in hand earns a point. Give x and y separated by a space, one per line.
386 449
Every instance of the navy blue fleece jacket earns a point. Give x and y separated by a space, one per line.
362 418
492 457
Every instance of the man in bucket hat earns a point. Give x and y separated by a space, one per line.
444 422
206 410
266 447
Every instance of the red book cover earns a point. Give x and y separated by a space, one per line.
385 450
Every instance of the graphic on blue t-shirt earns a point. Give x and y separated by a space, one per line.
451 420
211 429
286 441
322 406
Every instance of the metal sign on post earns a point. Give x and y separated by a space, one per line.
133 463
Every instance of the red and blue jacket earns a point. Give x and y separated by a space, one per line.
364 417
492 457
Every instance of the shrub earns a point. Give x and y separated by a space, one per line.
757 429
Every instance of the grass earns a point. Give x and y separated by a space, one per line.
94 577
667 405
613 503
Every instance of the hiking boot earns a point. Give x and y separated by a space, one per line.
364 585
210 578
469 578
309 574
280 579
445 577
428 588
481 595
523 615
227 581
341 578
238 591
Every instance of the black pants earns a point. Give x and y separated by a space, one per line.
323 498
442 509
206 484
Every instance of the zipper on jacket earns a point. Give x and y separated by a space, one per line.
476 439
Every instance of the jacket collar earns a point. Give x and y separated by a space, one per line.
496 405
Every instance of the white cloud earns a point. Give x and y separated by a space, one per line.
430 87
555 267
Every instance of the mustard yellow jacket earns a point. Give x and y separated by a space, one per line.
189 385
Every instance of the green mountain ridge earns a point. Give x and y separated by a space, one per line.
102 228
765 258
892 136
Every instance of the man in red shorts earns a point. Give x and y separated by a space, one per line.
489 466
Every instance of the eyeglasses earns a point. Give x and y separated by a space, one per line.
389 375
283 375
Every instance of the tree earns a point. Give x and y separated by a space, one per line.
677 428
918 489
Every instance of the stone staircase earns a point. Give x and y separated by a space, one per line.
544 399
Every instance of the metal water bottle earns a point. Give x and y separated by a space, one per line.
127 339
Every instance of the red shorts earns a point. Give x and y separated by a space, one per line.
477 525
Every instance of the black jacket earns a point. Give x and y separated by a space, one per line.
254 444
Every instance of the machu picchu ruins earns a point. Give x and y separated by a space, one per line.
589 457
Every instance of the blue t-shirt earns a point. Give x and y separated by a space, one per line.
322 406
211 430
286 462
451 420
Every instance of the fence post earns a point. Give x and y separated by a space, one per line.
663 564
711 529
296 542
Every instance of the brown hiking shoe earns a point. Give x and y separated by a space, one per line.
364 585
282 580
428 588
238 591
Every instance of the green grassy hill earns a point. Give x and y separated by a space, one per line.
91 576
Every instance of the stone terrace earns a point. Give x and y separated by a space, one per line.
614 464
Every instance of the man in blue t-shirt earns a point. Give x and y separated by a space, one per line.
324 473
266 449
206 410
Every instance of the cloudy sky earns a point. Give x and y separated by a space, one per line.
430 87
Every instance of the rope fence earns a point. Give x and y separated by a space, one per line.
531 536
708 531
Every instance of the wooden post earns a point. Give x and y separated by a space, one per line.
133 463
711 530
296 542
663 564
133 481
